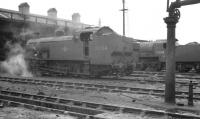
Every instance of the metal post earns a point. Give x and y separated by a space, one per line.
190 94
123 10
123 18
171 21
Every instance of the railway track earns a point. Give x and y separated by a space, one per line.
146 80
96 87
162 74
80 109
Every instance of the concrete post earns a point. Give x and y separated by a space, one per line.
170 60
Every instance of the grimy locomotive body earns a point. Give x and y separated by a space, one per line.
93 51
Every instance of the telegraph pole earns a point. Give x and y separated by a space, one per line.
124 10
171 21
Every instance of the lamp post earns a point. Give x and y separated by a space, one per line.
171 21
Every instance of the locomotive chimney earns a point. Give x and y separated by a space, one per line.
76 18
24 8
52 13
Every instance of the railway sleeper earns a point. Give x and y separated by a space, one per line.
134 89
78 84
78 103
50 99
80 87
98 86
60 83
158 91
65 101
110 108
68 83
38 97
83 110
181 116
131 110
49 84
104 90
69 87
116 91
88 85
42 81
15 93
92 89
38 81
153 113
14 104
5 92
78 115
29 106
92 105
111 87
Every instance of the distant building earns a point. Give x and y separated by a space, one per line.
24 23
76 18
52 13
24 8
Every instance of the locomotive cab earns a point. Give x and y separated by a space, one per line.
86 36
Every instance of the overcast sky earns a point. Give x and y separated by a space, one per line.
144 18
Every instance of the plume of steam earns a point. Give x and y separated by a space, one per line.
15 63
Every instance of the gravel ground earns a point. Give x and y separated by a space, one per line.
129 116
22 113
120 99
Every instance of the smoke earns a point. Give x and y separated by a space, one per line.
15 63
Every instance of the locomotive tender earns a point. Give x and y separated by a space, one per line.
93 51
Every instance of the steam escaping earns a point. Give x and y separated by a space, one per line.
15 63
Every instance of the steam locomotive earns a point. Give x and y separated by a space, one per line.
92 51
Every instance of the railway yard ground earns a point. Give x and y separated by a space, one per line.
138 97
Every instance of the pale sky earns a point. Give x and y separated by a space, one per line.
144 18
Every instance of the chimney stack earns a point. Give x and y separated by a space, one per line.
24 8
52 13
76 18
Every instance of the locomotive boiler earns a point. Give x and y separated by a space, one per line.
92 51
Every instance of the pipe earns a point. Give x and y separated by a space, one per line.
189 2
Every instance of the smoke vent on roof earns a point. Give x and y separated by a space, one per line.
76 18
52 13
24 8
